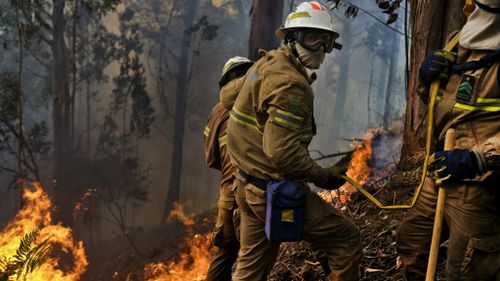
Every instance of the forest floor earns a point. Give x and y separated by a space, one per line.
296 261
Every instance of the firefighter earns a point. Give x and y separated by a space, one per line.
224 236
271 125
470 173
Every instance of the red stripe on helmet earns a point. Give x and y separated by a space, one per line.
317 6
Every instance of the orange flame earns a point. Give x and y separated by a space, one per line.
193 262
35 214
358 169
178 213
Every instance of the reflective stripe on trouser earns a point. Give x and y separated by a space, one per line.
472 214
224 239
325 228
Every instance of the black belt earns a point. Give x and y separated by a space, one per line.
260 183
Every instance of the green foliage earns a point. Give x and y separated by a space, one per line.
387 6
131 82
36 138
9 97
208 31
101 7
118 176
117 161
29 256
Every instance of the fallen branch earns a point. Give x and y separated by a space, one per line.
332 155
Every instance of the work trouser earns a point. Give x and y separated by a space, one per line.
472 214
324 227
224 238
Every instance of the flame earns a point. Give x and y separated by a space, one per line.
36 214
192 263
358 169
178 213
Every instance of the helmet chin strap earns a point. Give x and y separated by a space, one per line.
294 50
487 8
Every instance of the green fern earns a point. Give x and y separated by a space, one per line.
4 273
29 256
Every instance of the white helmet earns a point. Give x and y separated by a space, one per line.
236 64
307 15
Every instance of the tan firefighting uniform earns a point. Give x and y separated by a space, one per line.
472 208
224 237
269 130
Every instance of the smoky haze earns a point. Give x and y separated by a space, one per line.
359 87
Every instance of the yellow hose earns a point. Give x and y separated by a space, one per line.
429 134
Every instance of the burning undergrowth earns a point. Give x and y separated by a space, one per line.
66 260
374 165
182 249
193 258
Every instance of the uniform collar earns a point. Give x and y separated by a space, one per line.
308 73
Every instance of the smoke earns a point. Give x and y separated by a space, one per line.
386 147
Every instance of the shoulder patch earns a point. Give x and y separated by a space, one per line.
294 101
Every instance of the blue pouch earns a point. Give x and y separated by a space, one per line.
285 208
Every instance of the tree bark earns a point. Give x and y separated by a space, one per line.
61 117
391 77
341 93
267 17
180 111
432 23
20 104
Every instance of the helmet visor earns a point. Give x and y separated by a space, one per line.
316 39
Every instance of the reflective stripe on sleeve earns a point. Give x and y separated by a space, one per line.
206 132
222 141
488 101
490 108
288 119
246 120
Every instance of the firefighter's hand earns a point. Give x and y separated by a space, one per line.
335 174
437 65
453 166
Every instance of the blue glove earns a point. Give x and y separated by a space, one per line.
453 166
436 65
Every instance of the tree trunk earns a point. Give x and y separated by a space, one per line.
381 86
370 87
180 112
61 118
87 87
432 23
74 71
20 104
267 17
391 77
341 93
